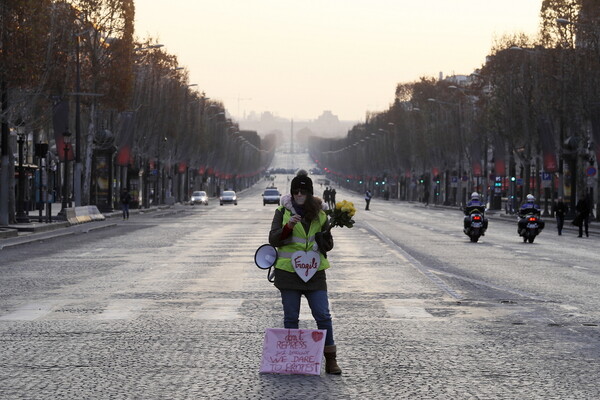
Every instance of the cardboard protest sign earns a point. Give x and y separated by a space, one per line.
293 351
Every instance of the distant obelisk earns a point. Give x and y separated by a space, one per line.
292 142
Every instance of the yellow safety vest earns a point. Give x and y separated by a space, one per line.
300 241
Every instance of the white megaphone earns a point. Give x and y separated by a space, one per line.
265 257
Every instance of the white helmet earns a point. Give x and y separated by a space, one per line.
530 197
475 196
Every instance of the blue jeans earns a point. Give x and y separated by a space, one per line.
319 306
560 222
125 211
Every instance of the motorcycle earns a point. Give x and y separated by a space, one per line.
475 226
529 227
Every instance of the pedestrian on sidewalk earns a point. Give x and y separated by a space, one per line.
582 219
368 197
332 198
326 195
560 210
300 224
125 200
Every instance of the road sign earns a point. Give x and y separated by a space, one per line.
590 171
546 179
454 181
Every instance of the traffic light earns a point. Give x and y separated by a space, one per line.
513 178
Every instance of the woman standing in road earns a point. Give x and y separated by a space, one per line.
300 224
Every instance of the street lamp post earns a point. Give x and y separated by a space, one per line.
22 216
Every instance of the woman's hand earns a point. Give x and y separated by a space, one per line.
324 241
294 220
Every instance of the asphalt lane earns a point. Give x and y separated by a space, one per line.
170 305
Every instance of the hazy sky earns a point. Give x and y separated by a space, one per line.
298 58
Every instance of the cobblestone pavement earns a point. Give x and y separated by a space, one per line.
172 307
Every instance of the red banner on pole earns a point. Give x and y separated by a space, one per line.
499 157
547 142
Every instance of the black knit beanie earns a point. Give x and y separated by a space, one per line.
302 181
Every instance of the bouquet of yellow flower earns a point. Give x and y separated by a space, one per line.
342 214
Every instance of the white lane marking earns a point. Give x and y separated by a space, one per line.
579 267
568 307
121 309
417 264
223 309
31 311
403 309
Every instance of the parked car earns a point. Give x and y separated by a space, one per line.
271 196
199 197
228 196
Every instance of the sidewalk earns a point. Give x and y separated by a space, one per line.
34 227
17 234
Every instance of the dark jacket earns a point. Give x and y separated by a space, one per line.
560 208
529 207
582 208
125 198
474 205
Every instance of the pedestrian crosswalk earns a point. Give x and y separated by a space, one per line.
208 309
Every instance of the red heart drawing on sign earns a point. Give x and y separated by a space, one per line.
317 336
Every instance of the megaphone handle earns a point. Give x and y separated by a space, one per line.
271 275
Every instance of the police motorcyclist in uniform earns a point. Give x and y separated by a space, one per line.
529 207
475 205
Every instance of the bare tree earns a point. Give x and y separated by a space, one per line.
107 50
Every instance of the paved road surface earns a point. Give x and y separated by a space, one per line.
169 305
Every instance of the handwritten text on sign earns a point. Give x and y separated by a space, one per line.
306 264
293 351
